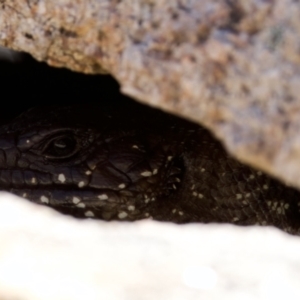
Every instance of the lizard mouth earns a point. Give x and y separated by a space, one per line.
80 203
110 199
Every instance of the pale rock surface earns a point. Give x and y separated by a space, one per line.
47 256
233 66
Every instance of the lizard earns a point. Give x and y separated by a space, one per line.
129 163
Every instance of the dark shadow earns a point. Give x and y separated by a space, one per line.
29 83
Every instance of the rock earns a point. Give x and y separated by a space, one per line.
232 66
45 255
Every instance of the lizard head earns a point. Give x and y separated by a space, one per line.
91 162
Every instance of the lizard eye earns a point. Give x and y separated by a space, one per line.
60 147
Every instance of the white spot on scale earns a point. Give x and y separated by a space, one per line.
200 196
122 215
180 213
251 176
89 214
239 196
247 195
88 172
170 158
147 215
174 211
62 178
33 180
131 207
135 147
28 141
265 186
103 197
81 205
174 187
75 200
235 219
202 170
146 173
286 206
81 184
177 179
155 171
24 195
122 185
44 199
195 194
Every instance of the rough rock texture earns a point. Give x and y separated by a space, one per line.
46 256
230 65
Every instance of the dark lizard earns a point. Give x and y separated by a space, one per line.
131 163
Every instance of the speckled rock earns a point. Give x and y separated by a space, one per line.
232 66
46 256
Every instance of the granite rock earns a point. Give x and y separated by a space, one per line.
232 66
